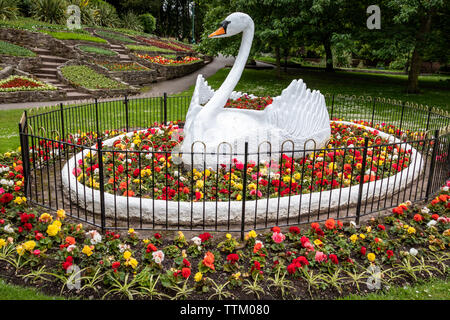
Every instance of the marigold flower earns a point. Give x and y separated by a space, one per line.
198 277
87 250
61 213
127 255
371 257
411 230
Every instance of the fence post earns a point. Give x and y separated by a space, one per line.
428 119
24 150
126 112
244 190
165 108
96 117
332 107
373 111
101 181
63 129
432 165
361 180
401 117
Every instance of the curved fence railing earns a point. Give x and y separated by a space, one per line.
98 161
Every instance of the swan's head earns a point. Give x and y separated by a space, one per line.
232 25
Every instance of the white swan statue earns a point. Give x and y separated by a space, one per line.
298 115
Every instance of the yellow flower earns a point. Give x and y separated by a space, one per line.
53 229
198 277
371 257
297 176
29 245
20 250
61 213
237 275
239 197
2 243
199 184
369 229
131 231
133 263
145 241
446 233
45 217
353 238
362 236
252 186
127 255
87 250
228 236
411 230
20 200
318 242
251 234
239 186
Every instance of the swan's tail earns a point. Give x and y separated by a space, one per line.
299 113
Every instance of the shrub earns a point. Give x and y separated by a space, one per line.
97 50
52 11
74 36
148 22
10 49
86 77
8 9
105 14
131 21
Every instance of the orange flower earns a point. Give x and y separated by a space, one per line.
257 247
330 224
129 193
208 260
70 240
443 197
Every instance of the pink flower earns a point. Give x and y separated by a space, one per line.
253 192
278 237
37 252
2 190
320 256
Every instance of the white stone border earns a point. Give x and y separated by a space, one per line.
180 212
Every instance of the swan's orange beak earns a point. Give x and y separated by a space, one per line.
218 32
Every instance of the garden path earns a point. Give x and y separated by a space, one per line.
170 86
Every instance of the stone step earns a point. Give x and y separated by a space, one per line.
50 58
45 76
50 65
47 71
42 51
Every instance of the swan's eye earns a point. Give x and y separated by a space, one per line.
224 24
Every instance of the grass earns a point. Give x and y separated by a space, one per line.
13 292
147 48
10 49
61 35
30 24
87 78
434 289
97 50
114 36
434 89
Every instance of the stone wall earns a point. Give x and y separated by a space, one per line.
27 64
6 71
31 96
30 40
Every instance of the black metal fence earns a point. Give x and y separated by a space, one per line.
58 140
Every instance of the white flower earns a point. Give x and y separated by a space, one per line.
96 171
425 210
158 256
445 189
258 241
123 247
431 223
353 224
8 229
94 236
71 247
149 156
176 173
413 252
197 241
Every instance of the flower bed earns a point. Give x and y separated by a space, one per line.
169 68
10 49
246 102
22 83
163 45
114 37
121 66
148 49
97 50
318 260
168 61
61 35
85 77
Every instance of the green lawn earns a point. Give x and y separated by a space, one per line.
434 289
13 292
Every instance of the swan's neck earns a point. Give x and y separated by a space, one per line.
221 96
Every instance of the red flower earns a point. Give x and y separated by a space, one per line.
390 253
435 216
292 268
418 217
363 250
151 248
232 258
115 265
205 236
294 230
157 236
330 224
276 229
398 211
185 272
381 227
6 198
315 225
186 263
334 258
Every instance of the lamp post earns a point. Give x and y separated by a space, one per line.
193 22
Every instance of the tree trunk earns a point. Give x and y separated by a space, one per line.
328 56
278 58
416 58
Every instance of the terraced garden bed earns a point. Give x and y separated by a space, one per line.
88 80
148 49
61 35
114 37
10 49
170 68
132 72
25 89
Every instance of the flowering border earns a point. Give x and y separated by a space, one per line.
183 213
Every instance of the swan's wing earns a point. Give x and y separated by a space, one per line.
202 92
298 112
